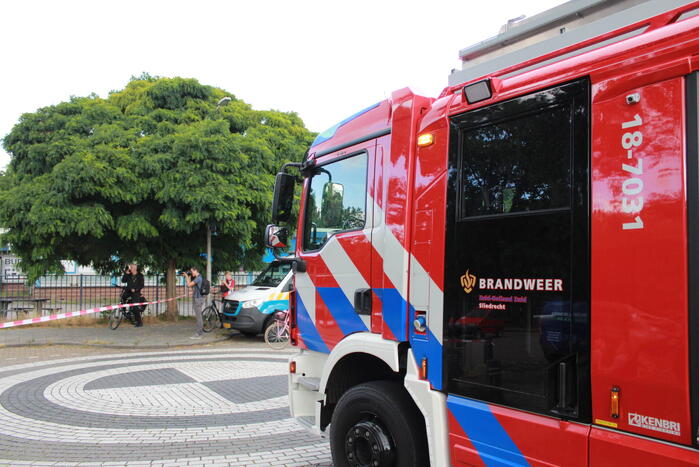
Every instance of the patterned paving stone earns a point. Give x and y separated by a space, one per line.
195 407
250 390
140 378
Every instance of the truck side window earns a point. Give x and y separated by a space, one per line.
518 166
336 200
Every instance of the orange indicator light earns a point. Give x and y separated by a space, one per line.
423 369
292 367
425 139
615 402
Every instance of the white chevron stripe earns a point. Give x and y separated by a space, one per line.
307 291
423 290
395 258
425 294
344 272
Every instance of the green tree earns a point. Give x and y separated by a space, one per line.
139 176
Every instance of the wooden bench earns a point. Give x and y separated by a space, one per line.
51 310
17 309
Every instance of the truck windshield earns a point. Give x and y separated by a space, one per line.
273 275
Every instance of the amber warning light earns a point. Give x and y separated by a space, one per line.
615 402
425 139
423 369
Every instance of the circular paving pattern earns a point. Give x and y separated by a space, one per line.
193 407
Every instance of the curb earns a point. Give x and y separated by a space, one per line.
115 346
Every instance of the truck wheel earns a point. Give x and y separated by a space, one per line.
376 424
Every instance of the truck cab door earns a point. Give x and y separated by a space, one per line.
333 293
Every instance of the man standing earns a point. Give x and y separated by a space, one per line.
194 280
132 291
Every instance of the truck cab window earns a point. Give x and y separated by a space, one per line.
336 200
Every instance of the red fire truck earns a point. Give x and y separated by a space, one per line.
502 275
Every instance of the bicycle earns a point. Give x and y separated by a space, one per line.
277 333
211 317
118 315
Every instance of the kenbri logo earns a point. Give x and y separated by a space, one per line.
521 284
655 424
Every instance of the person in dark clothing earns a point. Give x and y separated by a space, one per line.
132 292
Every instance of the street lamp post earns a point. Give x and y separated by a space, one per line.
222 101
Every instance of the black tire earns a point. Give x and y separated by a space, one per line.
378 422
115 318
210 319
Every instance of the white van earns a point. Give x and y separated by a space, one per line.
250 309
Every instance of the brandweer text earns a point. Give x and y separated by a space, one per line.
555 285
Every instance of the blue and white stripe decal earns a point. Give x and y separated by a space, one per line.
393 307
494 445
394 315
431 349
397 309
307 328
342 310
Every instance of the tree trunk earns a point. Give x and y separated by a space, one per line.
171 290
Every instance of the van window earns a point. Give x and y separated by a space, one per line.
336 200
273 275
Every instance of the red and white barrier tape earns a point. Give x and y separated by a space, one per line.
70 314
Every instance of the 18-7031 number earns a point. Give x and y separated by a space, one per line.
632 187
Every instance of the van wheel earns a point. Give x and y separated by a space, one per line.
376 424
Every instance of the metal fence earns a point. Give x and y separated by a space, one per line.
63 293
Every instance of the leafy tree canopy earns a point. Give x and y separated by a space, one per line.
139 175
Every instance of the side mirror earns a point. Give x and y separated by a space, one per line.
276 237
334 189
283 199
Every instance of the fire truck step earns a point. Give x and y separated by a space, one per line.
312 384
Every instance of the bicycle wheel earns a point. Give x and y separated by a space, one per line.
115 318
210 318
277 335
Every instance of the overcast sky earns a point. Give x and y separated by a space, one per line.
324 60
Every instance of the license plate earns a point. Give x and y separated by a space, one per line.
227 325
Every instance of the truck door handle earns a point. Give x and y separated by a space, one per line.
564 387
362 301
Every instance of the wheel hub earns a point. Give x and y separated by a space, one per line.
367 444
